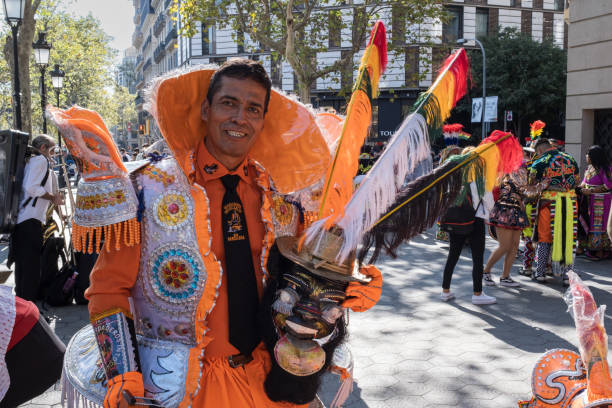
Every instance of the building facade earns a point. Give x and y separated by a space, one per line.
589 78
408 72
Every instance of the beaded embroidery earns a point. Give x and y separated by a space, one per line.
175 272
100 200
158 175
172 210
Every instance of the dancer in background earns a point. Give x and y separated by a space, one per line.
596 187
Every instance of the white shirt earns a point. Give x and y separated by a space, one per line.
486 202
33 175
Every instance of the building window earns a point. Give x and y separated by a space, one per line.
482 22
205 39
559 5
398 26
452 30
335 29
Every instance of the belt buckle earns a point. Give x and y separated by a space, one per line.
238 360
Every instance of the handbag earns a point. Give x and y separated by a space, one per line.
459 219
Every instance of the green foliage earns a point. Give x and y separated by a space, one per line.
528 76
82 49
297 30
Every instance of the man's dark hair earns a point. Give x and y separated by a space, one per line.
542 142
240 68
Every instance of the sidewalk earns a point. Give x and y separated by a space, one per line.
413 350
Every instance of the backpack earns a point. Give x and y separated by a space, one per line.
57 284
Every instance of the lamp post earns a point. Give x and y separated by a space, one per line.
57 79
41 55
484 82
13 11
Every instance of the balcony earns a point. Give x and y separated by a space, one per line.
144 10
139 61
159 24
171 37
167 3
154 3
159 52
139 82
137 38
147 64
139 100
146 44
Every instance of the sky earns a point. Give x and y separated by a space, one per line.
116 17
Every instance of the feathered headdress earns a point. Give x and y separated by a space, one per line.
453 133
407 156
536 129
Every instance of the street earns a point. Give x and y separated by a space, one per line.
413 350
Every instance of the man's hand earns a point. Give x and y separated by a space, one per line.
362 296
58 199
130 381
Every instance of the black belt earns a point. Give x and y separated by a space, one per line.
238 360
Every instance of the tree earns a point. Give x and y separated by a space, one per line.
297 30
24 50
528 76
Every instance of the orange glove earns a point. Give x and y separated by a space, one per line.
130 381
362 296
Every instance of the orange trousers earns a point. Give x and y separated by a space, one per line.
242 387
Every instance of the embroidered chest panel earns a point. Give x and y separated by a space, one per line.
172 275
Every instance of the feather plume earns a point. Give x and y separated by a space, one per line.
407 156
407 153
428 199
338 185
429 196
510 151
536 129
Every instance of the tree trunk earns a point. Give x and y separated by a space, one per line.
304 91
24 50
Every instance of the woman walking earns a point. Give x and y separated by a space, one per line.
509 219
464 221
596 188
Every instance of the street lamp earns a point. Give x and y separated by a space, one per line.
57 79
462 41
13 11
41 55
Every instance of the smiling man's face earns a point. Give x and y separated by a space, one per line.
234 119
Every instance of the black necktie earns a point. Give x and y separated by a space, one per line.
241 285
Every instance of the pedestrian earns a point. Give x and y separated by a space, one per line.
557 210
528 255
125 157
596 188
509 218
462 221
39 190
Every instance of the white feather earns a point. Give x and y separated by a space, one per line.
406 157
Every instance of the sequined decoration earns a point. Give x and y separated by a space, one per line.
172 210
284 216
158 175
176 273
101 200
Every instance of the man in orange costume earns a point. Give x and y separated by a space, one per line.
177 277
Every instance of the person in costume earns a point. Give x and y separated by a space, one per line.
509 218
596 187
556 218
528 255
175 296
